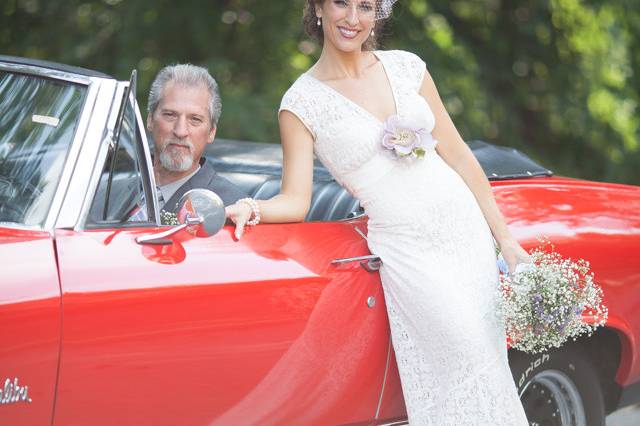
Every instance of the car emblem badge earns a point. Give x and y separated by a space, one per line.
12 392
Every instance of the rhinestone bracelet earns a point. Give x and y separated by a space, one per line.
255 210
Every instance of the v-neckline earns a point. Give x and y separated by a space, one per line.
357 105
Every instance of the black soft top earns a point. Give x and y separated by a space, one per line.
53 65
266 158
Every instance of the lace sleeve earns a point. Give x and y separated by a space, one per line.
414 67
295 101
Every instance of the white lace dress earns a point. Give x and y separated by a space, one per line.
439 270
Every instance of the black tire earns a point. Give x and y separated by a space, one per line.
559 387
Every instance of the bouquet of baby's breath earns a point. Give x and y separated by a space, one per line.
549 301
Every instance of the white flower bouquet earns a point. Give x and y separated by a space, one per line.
549 301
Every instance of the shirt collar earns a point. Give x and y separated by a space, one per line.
169 189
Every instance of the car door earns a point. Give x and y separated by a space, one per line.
264 330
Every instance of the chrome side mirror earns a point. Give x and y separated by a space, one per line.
200 212
203 212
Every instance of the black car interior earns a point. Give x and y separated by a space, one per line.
256 168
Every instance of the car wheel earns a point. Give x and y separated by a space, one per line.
558 388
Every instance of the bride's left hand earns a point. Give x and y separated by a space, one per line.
513 254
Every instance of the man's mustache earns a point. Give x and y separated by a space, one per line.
185 143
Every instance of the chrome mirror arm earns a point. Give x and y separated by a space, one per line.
158 238
201 209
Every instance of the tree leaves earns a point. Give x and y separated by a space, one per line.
558 79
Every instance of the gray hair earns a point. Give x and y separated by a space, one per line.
188 75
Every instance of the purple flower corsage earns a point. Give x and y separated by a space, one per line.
405 138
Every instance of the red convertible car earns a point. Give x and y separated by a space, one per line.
107 321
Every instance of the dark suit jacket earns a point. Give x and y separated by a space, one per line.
207 178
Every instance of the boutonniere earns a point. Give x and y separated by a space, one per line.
405 138
168 218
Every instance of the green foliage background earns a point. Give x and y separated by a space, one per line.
558 79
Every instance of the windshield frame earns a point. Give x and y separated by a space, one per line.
76 141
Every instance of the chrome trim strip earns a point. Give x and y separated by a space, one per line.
352 216
64 181
384 381
396 423
83 167
147 159
355 259
359 231
48 72
20 227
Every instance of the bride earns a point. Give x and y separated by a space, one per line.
376 121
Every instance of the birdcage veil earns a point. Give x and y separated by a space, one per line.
384 8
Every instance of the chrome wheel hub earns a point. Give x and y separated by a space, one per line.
551 398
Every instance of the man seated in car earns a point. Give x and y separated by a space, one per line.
184 108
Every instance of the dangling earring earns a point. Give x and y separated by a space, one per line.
318 23
373 34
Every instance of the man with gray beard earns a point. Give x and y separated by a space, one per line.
184 108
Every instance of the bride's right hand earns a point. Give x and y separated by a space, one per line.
239 213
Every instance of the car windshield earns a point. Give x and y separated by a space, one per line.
38 118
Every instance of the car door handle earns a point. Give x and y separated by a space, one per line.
370 262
